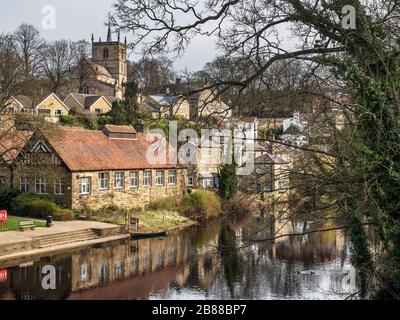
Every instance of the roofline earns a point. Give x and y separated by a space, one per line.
52 94
16 100
101 97
72 95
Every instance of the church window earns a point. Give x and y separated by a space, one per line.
105 53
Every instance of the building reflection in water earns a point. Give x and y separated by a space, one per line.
198 263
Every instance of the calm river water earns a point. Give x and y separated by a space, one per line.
197 263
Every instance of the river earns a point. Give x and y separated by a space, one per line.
220 260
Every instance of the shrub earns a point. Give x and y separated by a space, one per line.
168 204
32 205
63 215
201 205
67 120
6 196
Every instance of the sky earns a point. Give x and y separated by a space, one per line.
78 19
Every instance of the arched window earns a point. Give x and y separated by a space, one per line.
105 53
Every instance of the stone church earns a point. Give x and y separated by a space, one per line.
107 71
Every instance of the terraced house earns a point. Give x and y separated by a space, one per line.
90 169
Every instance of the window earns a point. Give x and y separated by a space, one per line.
160 178
98 111
147 178
44 112
119 178
86 90
134 179
84 186
24 184
172 177
59 186
2 180
41 186
190 181
105 53
59 112
104 181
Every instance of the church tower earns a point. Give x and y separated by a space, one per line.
112 56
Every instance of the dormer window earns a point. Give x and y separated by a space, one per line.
105 53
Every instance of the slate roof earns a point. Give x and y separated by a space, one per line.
269 159
25 101
87 100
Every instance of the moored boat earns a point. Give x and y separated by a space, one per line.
144 235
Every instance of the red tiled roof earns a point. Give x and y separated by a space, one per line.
11 144
87 150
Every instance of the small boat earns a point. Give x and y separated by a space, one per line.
145 235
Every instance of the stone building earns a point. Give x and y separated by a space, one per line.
166 106
207 104
106 72
90 169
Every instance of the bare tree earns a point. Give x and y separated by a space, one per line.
10 70
28 40
352 66
153 74
56 63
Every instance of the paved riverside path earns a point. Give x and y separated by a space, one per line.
10 237
17 246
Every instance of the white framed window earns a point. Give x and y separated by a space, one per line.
85 185
41 185
134 179
104 181
59 186
59 112
24 184
172 177
119 180
160 177
190 181
147 178
99 111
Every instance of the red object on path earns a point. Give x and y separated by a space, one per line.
3 215
3 275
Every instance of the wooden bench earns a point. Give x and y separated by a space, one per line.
28 224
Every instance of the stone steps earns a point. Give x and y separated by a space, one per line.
66 238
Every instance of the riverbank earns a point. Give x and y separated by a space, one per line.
15 245
149 220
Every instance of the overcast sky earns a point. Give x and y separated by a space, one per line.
78 19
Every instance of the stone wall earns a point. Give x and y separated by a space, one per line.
5 177
126 197
51 174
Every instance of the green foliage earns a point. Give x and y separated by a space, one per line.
227 181
168 204
63 215
201 205
30 204
67 120
6 196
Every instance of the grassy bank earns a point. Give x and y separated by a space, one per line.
12 224
149 220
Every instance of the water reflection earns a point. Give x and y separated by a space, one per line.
216 261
